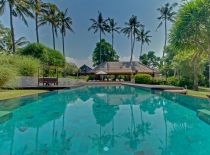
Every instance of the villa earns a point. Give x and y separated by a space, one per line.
123 69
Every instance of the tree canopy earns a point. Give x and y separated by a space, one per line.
150 59
106 53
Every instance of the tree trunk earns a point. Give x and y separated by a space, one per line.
100 47
53 34
36 21
113 44
134 38
195 74
12 28
141 51
165 38
37 28
131 46
63 44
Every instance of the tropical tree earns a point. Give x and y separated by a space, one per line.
191 31
99 25
38 8
6 41
143 37
65 23
51 17
112 28
103 49
17 8
131 29
166 15
150 59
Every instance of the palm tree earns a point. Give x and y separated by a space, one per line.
112 28
17 8
143 37
166 14
38 7
99 25
65 24
51 17
131 30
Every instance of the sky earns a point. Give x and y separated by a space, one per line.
80 44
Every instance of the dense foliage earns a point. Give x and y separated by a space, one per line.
70 69
106 53
150 59
5 75
46 55
190 37
20 65
143 79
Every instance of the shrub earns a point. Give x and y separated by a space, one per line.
27 66
143 79
70 69
46 55
5 75
22 65
173 81
90 77
159 81
183 82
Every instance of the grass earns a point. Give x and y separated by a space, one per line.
8 94
203 92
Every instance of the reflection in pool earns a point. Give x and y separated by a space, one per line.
105 120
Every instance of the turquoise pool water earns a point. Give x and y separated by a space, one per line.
105 120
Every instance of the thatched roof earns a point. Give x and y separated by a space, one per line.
123 68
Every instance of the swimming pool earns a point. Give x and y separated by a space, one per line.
92 120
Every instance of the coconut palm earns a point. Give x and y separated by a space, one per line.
112 28
99 25
51 16
143 37
131 30
38 8
166 15
17 8
65 23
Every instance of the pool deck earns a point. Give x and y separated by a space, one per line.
165 88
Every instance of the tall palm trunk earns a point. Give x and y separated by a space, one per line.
166 37
134 39
37 28
63 44
12 27
112 43
141 50
36 22
100 47
131 46
53 34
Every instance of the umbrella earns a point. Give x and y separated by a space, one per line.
102 73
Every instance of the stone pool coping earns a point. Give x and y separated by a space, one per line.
165 88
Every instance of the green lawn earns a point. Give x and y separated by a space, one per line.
203 92
8 94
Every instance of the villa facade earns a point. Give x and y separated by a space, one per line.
124 68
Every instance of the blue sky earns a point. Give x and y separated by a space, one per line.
79 45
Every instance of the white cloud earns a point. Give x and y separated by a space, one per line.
127 58
80 62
